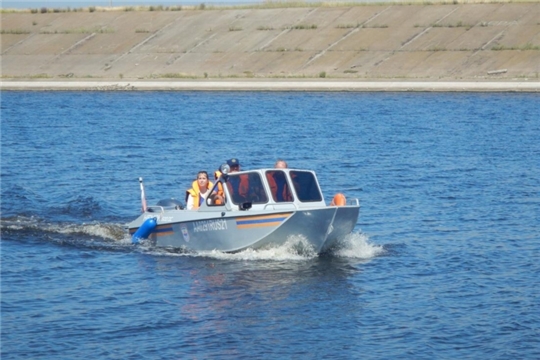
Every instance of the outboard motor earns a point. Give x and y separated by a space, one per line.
171 204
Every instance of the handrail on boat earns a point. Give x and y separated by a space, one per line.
353 202
281 206
152 207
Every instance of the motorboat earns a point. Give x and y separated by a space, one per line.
250 209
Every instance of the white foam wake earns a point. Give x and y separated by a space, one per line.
296 248
357 245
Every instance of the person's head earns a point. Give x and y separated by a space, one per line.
202 180
234 164
280 164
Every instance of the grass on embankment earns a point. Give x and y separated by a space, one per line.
262 5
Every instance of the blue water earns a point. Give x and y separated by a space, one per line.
444 262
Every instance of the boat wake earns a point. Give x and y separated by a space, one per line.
91 235
357 245
105 231
296 248
115 237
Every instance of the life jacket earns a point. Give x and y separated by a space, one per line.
217 175
279 195
240 186
243 185
195 192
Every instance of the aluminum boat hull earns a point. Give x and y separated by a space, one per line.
322 228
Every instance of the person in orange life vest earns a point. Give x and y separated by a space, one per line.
218 192
278 184
200 189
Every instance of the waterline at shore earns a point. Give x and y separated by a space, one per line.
273 85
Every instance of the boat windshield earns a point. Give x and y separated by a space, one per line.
247 187
305 185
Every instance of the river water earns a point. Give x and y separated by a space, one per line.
444 261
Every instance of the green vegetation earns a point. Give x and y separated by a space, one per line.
175 76
348 26
40 76
527 46
459 24
268 5
358 25
301 27
79 31
282 49
235 28
14 31
155 8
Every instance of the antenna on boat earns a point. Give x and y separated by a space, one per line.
143 196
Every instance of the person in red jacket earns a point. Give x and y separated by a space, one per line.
238 185
278 183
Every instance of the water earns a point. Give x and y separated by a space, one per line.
443 263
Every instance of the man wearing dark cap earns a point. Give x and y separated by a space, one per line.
234 164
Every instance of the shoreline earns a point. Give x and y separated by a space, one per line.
275 85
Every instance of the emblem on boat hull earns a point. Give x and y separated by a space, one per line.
185 233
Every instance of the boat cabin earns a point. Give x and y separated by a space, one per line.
265 189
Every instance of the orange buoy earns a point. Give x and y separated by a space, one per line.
339 200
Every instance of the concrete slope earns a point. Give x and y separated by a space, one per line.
434 42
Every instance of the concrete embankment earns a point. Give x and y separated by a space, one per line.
367 47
